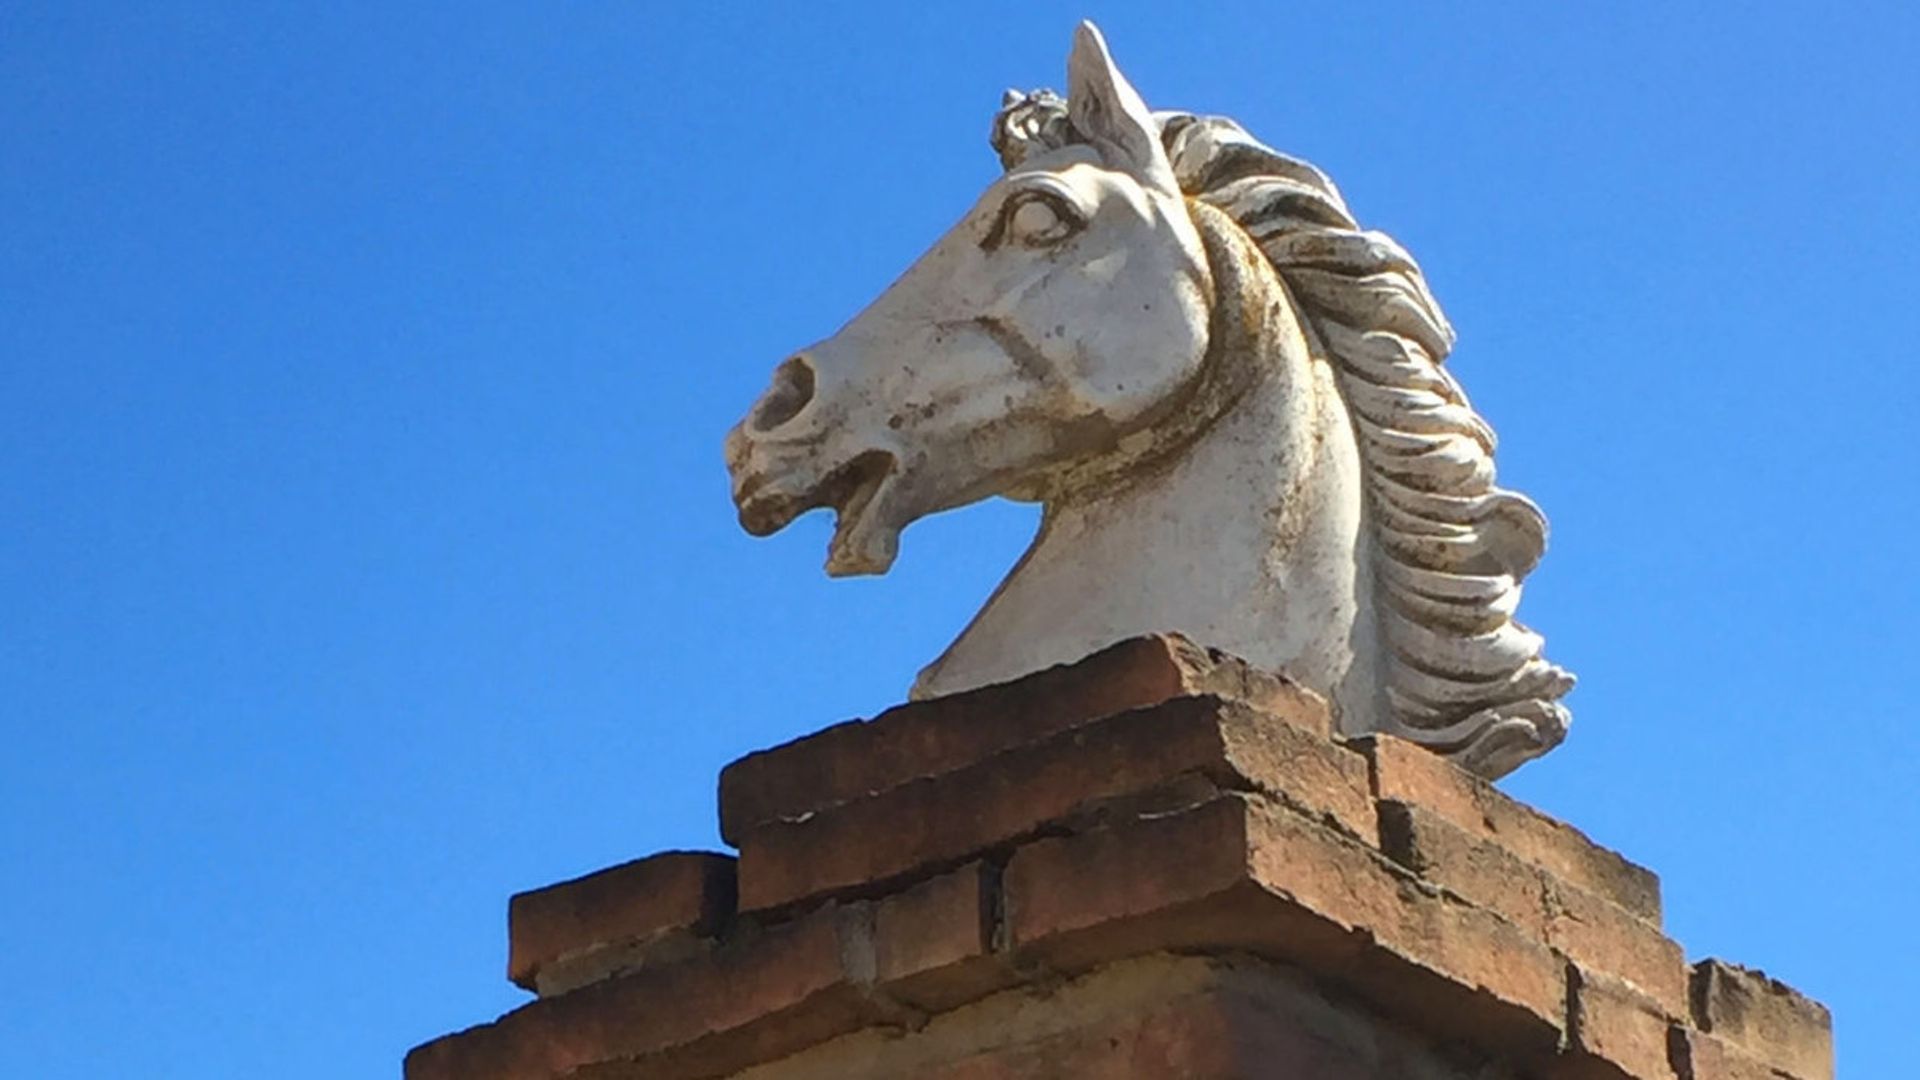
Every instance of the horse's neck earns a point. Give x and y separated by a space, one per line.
1249 542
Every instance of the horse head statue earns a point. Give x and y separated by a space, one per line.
1229 399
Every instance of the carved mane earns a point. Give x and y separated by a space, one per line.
1448 547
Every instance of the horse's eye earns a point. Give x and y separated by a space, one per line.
1038 220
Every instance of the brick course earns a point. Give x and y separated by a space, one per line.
1764 1016
938 820
1237 873
927 738
603 920
1699 1056
1406 773
1614 1032
771 994
1587 928
934 943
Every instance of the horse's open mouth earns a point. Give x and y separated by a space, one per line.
863 543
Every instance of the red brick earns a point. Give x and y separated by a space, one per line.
1764 1016
933 944
1699 1056
762 994
939 820
1080 901
860 757
1603 937
1236 873
1596 933
1405 772
685 892
756 999
1614 1032
1479 870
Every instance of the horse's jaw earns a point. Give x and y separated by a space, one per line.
1249 542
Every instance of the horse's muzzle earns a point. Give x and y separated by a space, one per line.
776 481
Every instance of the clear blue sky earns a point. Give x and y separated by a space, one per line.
365 551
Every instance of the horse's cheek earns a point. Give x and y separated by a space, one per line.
1152 354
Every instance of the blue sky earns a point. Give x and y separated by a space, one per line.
365 551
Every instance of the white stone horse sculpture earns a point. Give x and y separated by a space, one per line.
1229 399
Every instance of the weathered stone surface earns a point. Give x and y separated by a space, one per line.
1229 397
1614 1032
863 757
1190 1038
1158 1017
651 909
1237 873
939 820
1764 1016
1598 934
1406 773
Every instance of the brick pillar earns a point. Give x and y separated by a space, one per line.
1153 863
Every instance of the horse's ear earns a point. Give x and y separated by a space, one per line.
1107 111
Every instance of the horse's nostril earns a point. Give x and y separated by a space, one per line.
792 390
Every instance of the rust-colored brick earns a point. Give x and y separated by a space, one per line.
1764 1016
1597 933
1236 873
1404 772
927 738
1614 1032
939 820
933 943
1699 1056
769 995
690 892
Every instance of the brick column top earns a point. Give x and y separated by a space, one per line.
1155 863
